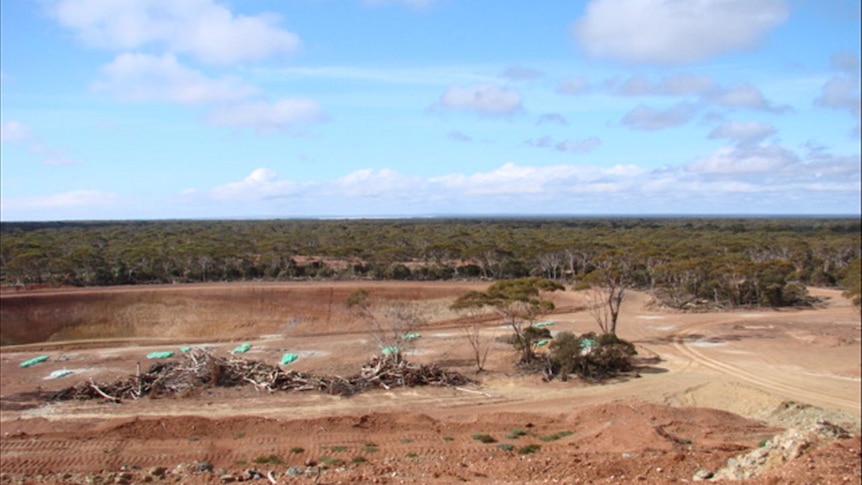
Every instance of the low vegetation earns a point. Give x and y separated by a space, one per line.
484 438
589 356
686 262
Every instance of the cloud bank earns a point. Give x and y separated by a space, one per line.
674 32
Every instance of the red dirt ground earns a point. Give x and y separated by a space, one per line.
710 387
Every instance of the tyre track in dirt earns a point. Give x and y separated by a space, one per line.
680 343
26 455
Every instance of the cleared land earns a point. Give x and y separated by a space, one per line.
711 386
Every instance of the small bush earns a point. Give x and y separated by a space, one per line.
516 433
338 449
484 438
556 436
506 446
296 450
359 459
328 460
448 438
581 286
529 449
268 460
590 356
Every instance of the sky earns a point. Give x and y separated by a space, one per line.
167 109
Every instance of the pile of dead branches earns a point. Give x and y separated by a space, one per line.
200 369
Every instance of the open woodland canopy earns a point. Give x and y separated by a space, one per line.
725 262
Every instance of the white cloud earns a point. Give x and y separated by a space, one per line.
261 184
51 155
745 160
650 119
745 95
566 146
845 61
508 180
230 101
520 73
842 91
415 4
368 183
675 32
754 179
16 133
573 85
13 132
143 77
202 28
458 135
484 99
743 131
268 116
513 180
676 85
552 119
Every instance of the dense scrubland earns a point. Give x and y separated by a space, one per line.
720 262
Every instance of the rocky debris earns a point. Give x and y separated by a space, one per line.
792 414
157 471
776 451
702 474
199 368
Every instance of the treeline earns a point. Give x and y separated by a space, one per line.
721 261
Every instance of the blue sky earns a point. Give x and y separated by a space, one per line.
154 109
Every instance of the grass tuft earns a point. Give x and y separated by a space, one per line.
268 460
556 436
529 449
516 433
484 438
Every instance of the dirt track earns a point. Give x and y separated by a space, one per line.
675 417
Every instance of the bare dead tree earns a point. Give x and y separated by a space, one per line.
392 325
605 306
609 285
480 344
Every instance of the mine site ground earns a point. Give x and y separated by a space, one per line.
708 388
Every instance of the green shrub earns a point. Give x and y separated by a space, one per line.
484 438
590 356
328 460
526 450
516 433
556 436
268 460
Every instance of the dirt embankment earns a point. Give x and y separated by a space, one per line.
234 311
